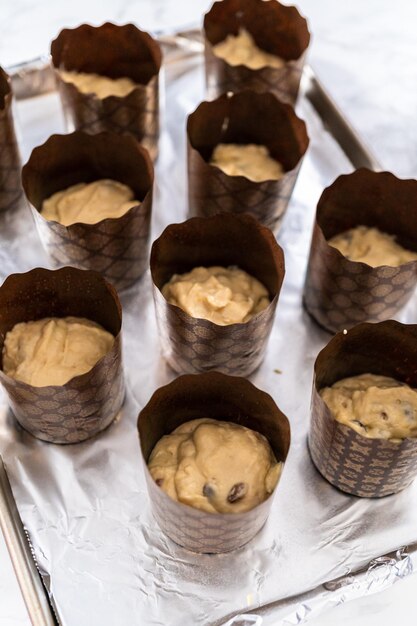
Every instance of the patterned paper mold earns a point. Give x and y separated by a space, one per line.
247 117
339 293
192 345
116 247
113 51
276 28
217 396
86 404
11 192
351 462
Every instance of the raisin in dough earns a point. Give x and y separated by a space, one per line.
250 160
377 407
101 86
241 49
215 466
89 203
51 351
371 246
222 295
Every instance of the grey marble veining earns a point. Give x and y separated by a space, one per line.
365 51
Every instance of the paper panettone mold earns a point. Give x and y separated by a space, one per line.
276 28
243 118
11 192
88 403
217 396
116 52
351 462
118 248
340 293
192 345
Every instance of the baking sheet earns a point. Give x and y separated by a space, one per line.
85 506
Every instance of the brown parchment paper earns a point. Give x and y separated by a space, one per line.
113 51
339 293
221 397
192 345
243 118
349 461
86 404
11 192
276 28
116 247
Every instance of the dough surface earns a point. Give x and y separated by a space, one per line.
250 160
215 466
89 203
222 295
377 407
53 350
371 246
101 86
241 49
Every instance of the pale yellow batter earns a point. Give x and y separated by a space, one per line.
222 295
371 246
241 49
249 160
101 86
52 350
219 467
89 203
377 407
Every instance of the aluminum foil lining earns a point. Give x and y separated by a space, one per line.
85 506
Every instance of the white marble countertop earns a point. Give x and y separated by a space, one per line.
365 52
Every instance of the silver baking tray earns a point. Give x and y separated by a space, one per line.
84 507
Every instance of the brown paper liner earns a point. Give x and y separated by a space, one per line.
192 345
116 52
339 293
86 404
11 192
115 247
276 28
351 462
243 118
221 397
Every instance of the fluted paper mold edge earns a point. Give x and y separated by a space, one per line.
114 51
340 293
88 403
220 397
351 462
115 247
11 192
192 345
276 28
236 119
